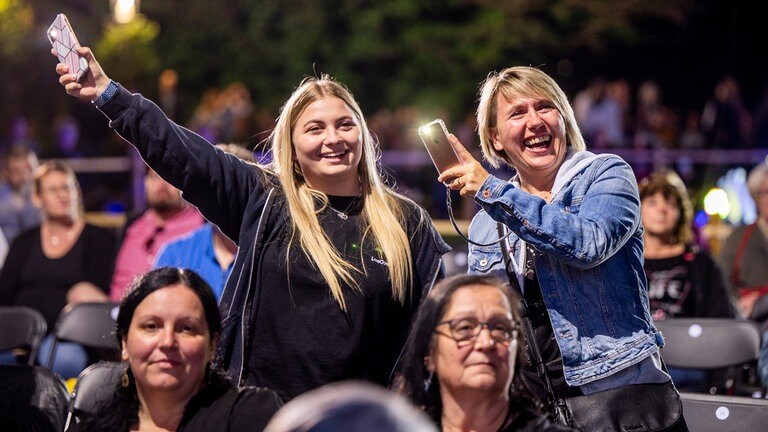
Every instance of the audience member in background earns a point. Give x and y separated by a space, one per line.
168 327
603 125
744 256
725 119
349 406
166 218
683 280
64 260
17 211
206 250
332 263
460 358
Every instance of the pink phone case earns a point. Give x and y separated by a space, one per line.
65 43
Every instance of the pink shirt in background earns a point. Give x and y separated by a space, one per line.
143 240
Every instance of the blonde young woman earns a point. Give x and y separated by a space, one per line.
331 263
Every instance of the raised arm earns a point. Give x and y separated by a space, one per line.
219 184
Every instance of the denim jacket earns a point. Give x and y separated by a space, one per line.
590 268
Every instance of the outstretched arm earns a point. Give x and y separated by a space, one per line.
94 83
220 185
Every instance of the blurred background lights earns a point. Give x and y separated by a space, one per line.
742 207
124 11
716 203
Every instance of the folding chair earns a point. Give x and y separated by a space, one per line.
91 325
21 329
760 309
32 398
94 385
714 344
724 413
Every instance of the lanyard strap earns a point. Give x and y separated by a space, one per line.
739 254
555 404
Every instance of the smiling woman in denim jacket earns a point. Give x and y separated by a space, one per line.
575 237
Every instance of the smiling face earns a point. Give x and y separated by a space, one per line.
483 365
328 146
531 132
168 344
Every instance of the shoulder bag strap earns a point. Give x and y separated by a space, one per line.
739 253
556 405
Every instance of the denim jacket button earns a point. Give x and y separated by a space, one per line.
487 193
483 262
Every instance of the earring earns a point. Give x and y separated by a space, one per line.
125 381
428 381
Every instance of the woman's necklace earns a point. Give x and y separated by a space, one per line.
343 214
69 235
56 239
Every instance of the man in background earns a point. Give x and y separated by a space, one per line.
206 250
17 212
166 218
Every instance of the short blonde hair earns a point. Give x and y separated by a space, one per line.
517 82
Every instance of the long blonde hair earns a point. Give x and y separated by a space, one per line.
516 82
383 210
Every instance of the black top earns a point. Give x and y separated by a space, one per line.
527 421
213 409
302 339
29 278
248 205
687 285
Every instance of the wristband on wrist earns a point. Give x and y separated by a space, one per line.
107 95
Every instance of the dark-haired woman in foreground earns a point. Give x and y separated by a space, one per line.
168 327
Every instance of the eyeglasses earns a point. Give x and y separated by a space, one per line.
55 190
465 330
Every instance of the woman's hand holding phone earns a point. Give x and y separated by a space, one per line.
93 84
80 73
466 177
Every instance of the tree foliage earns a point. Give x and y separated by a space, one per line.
429 53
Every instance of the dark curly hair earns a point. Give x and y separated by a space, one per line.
121 411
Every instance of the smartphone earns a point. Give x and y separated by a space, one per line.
65 43
434 135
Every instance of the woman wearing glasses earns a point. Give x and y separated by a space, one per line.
460 358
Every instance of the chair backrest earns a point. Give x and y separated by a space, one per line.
94 385
709 343
760 309
32 398
21 327
724 413
91 325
